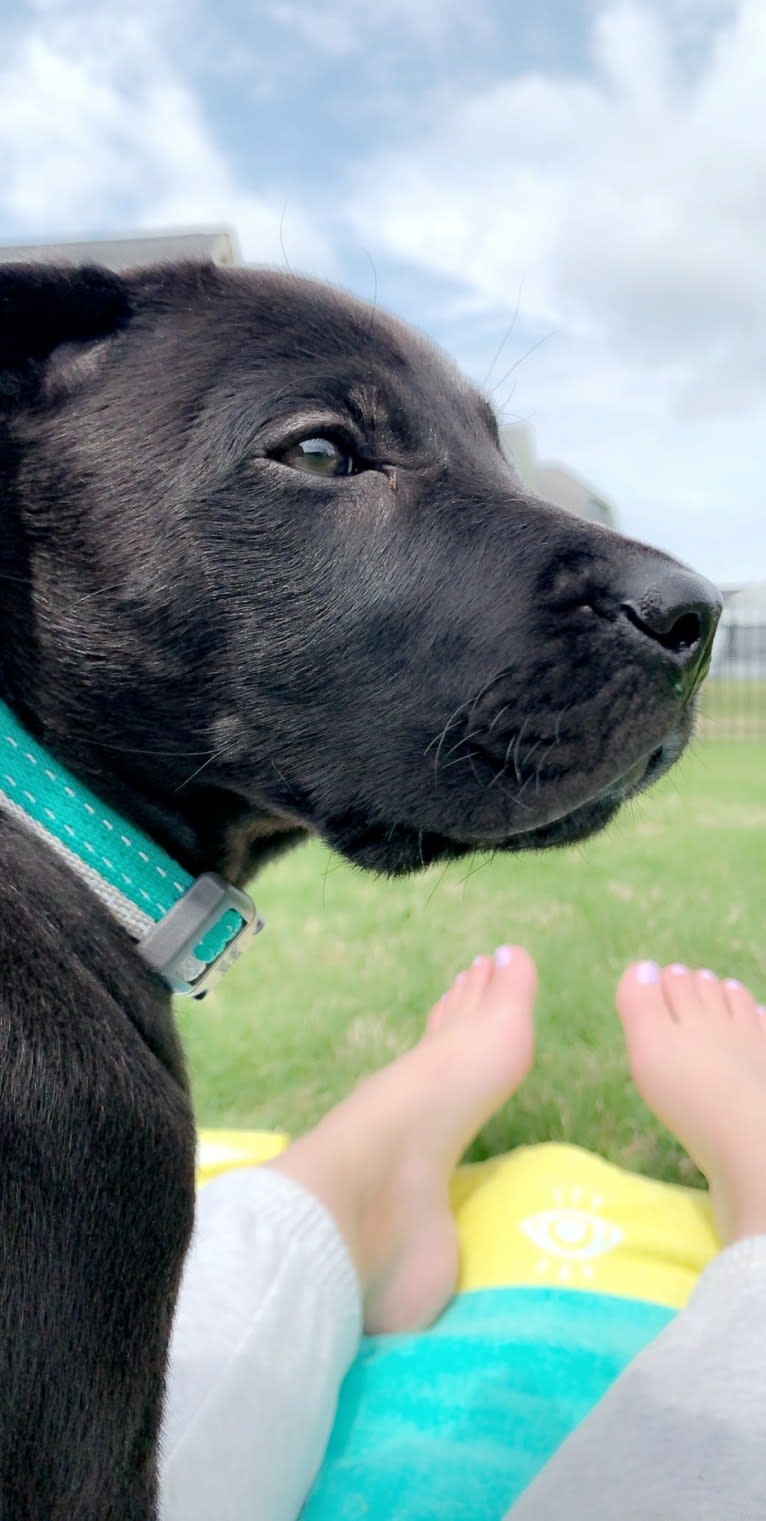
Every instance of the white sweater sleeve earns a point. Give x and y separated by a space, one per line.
267 1324
681 1435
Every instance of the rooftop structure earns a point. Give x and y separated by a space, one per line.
218 244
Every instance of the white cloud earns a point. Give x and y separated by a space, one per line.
631 203
328 28
627 200
98 130
340 27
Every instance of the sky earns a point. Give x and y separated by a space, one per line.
569 197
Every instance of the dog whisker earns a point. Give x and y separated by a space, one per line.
438 883
439 738
488 685
374 302
557 725
516 751
503 341
205 763
288 266
470 702
463 740
498 716
527 758
104 744
451 721
470 759
97 591
291 790
332 866
502 770
459 760
552 334
542 761
513 797
484 861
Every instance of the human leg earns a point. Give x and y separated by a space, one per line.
354 1215
680 1436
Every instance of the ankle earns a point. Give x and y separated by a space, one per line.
739 1206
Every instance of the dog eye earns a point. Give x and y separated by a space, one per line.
320 456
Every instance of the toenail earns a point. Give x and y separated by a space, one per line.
759 1009
647 971
677 967
731 982
708 975
477 960
460 976
503 955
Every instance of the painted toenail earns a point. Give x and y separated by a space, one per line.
759 1009
677 967
708 975
477 960
460 977
731 982
503 955
647 971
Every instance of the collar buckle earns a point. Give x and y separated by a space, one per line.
170 946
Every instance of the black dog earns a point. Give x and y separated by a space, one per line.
265 573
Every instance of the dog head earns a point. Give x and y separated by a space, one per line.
267 572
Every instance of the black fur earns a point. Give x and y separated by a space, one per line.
414 661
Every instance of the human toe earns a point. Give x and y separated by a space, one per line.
462 998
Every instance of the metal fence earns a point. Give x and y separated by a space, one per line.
733 702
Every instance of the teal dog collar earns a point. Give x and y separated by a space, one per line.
188 930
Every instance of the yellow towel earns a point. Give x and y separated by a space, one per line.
548 1215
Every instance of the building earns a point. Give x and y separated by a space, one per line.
554 482
218 244
739 651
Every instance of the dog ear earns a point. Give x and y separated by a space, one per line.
45 305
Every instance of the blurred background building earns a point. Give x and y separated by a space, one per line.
553 481
220 244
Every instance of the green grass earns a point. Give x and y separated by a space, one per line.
733 708
340 980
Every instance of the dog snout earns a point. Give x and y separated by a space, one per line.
679 611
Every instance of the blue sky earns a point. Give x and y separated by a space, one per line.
599 166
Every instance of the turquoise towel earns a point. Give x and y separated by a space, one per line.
456 1422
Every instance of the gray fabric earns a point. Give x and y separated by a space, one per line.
681 1435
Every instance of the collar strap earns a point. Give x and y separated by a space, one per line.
188 930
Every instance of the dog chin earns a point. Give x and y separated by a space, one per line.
401 850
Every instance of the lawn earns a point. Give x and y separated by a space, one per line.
340 979
733 709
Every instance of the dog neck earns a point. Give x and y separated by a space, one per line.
189 930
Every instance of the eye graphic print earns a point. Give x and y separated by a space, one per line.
571 1233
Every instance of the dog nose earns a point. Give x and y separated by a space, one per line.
678 610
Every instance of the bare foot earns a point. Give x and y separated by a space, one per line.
381 1160
697 1050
